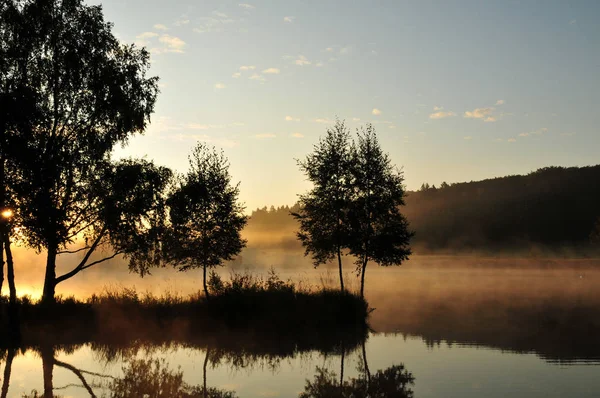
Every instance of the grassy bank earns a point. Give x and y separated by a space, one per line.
266 311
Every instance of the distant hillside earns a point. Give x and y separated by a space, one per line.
550 208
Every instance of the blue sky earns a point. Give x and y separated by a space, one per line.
457 90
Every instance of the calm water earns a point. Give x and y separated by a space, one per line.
468 328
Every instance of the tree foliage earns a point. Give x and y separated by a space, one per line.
323 212
354 205
379 231
205 214
89 93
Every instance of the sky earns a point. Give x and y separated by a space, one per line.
457 90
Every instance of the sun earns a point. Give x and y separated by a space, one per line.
7 213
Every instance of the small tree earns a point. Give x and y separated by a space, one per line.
379 231
323 210
206 217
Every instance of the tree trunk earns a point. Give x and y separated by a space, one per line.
339 255
362 277
50 277
366 364
342 367
204 392
10 270
204 281
7 370
48 368
1 264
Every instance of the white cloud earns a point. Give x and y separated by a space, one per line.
297 135
324 121
247 6
319 64
573 21
345 50
392 126
236 75
271 71
171 44
512 140
160 26
329 49
441 115
219 86
436 108
376 112
265 136
500 102
258 77
247 67
302 60
490 119
356 119
292 119
220 14
479 113
288 19
524 135
146 35
468 137
184 20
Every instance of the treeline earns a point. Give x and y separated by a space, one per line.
551 208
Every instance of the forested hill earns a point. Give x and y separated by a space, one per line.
550 208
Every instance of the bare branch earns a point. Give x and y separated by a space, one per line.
73 251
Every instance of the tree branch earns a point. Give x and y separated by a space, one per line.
78 374
73 251
85 259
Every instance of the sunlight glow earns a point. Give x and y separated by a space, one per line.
7 213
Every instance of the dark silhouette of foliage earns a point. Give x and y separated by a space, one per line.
379 231
393 382
85 92
323 211
206 217
152 378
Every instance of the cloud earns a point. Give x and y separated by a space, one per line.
297 135
146 35
345 50
436 108
220 14
265 136
479 113
441 115
356 119
329 49
171 44
468 138
324 121
247 6
292 119
536 132
288 19
160 26
512 140
572 21
182 21
219 86
236 75
302 60
524 135
258 77
247 67
490 119
376 112
500 102
319 64
271 71
571 134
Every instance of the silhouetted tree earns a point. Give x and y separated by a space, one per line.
324 209
206 216
379 230
393 382
90 93
153 379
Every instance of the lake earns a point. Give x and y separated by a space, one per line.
441 327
